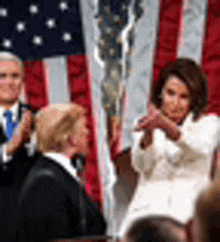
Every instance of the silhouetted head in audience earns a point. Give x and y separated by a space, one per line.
180 89
207 219
156 229
62 128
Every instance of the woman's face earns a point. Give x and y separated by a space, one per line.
175 99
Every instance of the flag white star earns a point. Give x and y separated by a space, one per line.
20 26
7 43
67 37
33 9
37 40
124 7
111 51
108 30
3 12
63 6
51 23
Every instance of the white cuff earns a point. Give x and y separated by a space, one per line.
6 158
142 159
32 145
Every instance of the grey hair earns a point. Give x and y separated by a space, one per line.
8 56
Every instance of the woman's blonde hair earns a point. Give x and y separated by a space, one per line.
54 124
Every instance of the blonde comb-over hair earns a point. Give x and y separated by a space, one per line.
54 124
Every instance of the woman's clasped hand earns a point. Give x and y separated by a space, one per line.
151 121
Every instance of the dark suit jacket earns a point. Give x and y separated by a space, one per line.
51 207
12 175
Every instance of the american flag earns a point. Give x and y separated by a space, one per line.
47 36
53 38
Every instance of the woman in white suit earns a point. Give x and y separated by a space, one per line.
174 147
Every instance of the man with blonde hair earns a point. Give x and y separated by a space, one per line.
52 205
15 133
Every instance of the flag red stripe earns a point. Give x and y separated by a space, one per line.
35 84
211 56
80 89
211 64
168 33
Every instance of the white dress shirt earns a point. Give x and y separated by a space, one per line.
63 161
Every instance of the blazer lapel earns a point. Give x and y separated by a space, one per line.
21 109
2 135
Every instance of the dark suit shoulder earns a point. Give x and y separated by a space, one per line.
46 186
44 205
47 170
45 165
51 199
42 193
40 177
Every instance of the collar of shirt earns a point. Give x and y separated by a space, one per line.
64 161
14 110
188 119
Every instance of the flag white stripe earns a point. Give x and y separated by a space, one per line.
193 29
58 90
142 62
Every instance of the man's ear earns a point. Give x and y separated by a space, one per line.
72 140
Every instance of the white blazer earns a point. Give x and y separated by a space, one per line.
172 174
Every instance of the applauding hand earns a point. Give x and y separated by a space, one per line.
151 121
156 119
148 123
23 136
